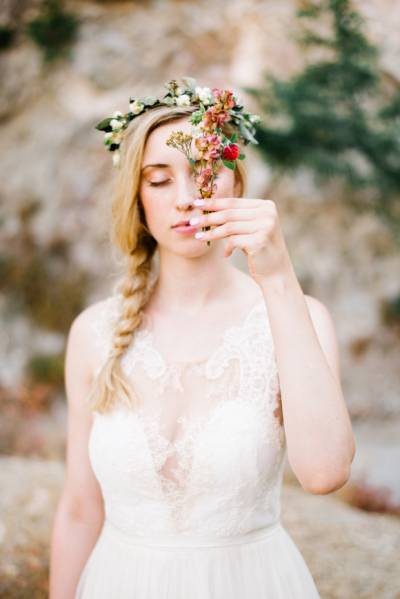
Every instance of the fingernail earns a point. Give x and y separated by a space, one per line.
199 202
194 221
199 235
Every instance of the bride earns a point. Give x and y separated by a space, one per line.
186 389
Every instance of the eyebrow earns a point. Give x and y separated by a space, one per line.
159 165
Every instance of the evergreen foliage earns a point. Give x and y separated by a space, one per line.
336 117
54 30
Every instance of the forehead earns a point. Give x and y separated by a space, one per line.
156 141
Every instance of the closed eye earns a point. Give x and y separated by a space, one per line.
156 183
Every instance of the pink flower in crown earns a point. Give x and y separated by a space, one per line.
224 97
215 117
221 118
209 119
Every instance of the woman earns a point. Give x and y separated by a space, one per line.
204 378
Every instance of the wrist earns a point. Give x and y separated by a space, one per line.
280 282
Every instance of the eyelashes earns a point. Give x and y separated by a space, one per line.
158 183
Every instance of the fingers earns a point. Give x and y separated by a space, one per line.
243 242
228 228
214 204
222 216
232 216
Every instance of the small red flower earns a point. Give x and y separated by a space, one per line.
231 152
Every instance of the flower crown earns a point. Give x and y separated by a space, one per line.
216 107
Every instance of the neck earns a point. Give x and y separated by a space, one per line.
190 285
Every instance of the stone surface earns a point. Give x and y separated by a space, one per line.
352 554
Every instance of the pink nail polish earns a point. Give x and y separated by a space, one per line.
199 202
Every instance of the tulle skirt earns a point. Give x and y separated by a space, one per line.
262 564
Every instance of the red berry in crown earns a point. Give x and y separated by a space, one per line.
231 152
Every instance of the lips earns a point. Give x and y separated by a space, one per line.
182 223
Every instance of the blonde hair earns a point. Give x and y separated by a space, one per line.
131 236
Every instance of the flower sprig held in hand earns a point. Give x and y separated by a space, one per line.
211 144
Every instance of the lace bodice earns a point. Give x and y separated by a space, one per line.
204 452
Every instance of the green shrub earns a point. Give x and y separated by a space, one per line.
46 368
336 117
390 311
7 37
54 30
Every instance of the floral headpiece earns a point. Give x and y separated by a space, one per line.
215 108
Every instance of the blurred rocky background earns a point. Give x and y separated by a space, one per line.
329 155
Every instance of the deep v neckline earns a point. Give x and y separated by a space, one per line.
159 447
146 333
184 445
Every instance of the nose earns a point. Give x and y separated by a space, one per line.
186 192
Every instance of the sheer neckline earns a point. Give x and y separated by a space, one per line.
147 334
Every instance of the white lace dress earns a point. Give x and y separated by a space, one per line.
192 479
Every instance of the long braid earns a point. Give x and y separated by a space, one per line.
134 288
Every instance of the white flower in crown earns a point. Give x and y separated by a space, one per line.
183 100
116 157
117 137
136 107
108 135
179 91
115 124
197 130
205 94
254 118
117 113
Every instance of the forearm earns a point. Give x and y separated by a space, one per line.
73 539
317 424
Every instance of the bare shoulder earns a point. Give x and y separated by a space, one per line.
324 327
91 313
87 329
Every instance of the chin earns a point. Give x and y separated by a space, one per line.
189 248
193 252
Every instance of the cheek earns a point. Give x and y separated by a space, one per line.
153 202
225 183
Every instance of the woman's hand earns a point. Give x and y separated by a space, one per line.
251 225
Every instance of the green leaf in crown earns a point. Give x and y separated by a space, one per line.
230 164
149 100
104 125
